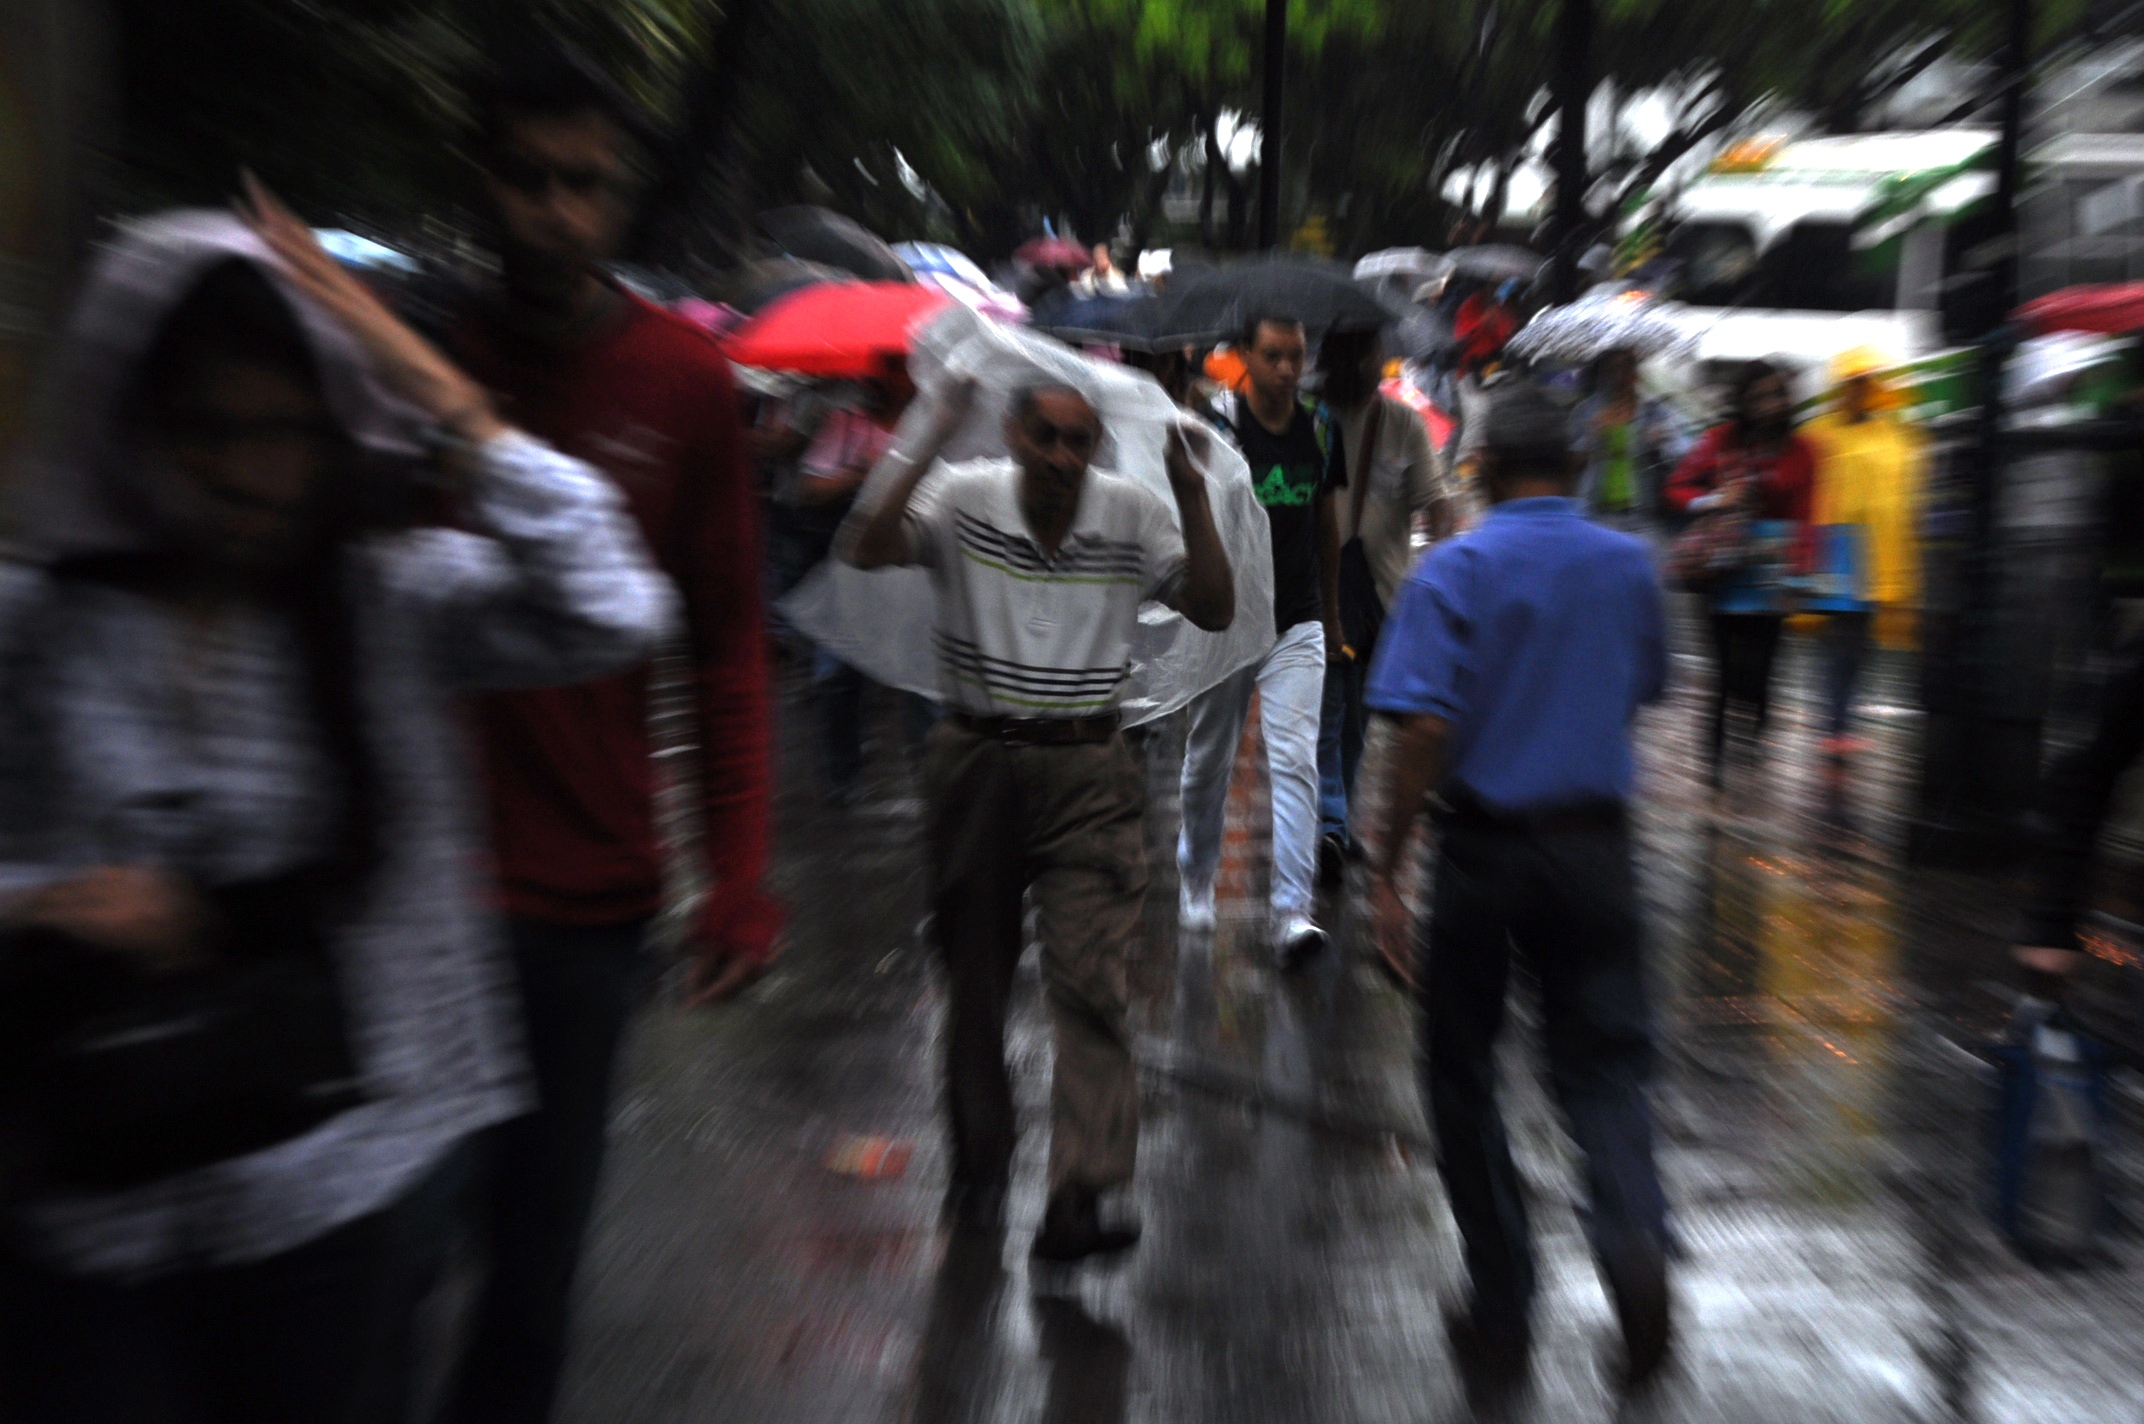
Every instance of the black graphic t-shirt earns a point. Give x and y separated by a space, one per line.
1289 472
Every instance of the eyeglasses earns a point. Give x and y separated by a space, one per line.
1077 440
532 179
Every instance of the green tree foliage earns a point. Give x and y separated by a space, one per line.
975 119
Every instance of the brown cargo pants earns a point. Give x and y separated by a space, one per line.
1068 823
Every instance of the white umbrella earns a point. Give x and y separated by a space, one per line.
1602 322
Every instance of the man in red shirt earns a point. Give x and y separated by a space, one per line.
645 397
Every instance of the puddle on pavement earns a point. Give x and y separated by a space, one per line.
1791 981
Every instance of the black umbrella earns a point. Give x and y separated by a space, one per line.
757 284
1131 322
1424 334
823 235
1496 262
1212 305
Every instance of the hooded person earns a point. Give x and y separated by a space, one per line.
230 776
1865 506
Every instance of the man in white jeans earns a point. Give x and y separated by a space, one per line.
1297 467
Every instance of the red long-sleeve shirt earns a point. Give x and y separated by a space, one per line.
1784 481
648 400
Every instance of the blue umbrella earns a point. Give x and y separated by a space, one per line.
1133 322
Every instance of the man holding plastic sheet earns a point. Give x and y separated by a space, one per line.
1514 661
1040 565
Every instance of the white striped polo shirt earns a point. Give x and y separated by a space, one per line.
1020 635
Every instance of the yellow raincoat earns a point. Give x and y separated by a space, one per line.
1869 472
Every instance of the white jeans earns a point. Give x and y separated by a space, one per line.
1290 681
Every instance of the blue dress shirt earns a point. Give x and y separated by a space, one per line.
1537 635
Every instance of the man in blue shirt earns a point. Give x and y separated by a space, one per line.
1514 660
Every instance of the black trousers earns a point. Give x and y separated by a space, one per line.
293 1339
1567 901
2074 798
1743 648
536 1176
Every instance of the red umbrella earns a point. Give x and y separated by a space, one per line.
840 329
2111 309
1054 252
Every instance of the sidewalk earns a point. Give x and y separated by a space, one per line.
766 1253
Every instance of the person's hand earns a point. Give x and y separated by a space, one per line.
408 364
150 916
1185 454
1392 931
1337 647
717 976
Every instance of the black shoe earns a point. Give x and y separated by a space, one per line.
975 1206
1072 1229
1494 1365
1332 860
1637 1281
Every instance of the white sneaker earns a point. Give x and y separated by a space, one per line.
1194 908
1299 940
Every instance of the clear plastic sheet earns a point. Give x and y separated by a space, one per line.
880 622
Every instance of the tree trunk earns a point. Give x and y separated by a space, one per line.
1572 87
1841 112
1269 128
699 151
1492 212
1146 201
1206 182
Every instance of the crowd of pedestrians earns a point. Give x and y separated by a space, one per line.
327 685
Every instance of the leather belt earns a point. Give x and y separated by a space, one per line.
1040 731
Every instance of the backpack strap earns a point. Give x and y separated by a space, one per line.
1228 413
1373 426
1321 423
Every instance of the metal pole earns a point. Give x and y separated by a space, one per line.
1980 761
1573 66
1269 135
1998 255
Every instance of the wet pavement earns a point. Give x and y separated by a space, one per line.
768 1247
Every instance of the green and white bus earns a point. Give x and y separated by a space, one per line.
1798 249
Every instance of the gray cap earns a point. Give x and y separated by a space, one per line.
1527 424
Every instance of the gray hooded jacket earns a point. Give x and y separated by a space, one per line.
130 736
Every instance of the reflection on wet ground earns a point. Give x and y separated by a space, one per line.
768 1253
